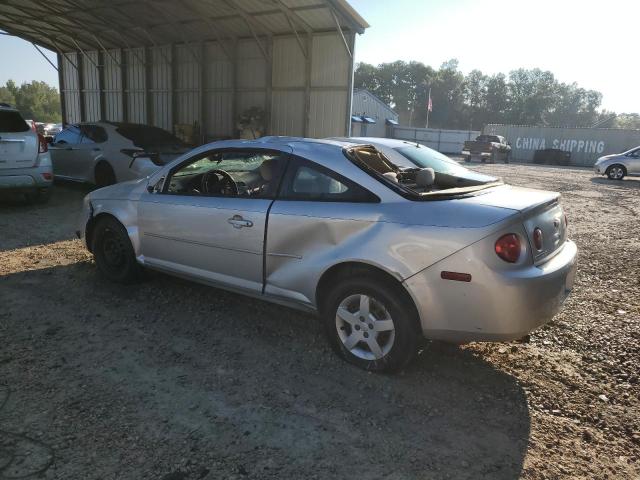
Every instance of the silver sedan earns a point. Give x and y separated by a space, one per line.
619 165
385 249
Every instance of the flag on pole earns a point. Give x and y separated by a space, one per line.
430 104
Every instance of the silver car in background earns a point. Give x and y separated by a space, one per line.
385 250
25 162
104 153
619 165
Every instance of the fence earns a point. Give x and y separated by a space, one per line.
445 141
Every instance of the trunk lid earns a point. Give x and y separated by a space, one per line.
541 209
18 143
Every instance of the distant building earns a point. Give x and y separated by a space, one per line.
370 116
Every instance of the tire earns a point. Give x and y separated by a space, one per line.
104 175
392 324
616 172
113 252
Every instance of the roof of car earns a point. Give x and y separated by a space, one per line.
6 106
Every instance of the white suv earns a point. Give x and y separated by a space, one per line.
25 164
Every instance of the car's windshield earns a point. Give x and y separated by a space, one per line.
144 136
12 122
424 157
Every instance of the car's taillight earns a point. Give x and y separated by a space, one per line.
43 146
508 247
537 239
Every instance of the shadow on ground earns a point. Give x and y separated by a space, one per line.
169 379
625 183
24 224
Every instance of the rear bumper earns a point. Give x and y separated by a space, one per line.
32 178
494 306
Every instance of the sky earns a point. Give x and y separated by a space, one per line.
592 43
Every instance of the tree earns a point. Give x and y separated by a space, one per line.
35 100
526 97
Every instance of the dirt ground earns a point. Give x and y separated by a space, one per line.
171 380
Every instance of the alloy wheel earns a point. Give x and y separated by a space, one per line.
365 327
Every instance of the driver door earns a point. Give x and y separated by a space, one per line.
634 162
212 233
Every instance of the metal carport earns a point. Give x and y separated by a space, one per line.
204 62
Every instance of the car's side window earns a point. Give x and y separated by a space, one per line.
229 173
93 134
70 135
307 181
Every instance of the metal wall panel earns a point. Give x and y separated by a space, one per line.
329 61
585 144
71 88
136 86
330 85
160 87
327 111
91 87
287 113
166 85
187 87
218 92
288 63
445 141
112 86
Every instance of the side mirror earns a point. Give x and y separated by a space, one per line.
157 187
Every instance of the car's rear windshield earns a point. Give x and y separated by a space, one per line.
145 136
12 122
424 157
439 180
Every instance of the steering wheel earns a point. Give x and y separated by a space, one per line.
227 180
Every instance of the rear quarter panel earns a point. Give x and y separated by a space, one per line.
305 239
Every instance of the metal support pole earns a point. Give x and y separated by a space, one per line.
45 57
124 89
61 85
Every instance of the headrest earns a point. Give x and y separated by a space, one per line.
266 170
425 177
391 176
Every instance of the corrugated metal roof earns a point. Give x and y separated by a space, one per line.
73 25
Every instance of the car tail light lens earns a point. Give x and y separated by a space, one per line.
537 239
47 176
43 146
508 247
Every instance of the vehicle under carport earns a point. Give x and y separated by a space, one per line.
202 65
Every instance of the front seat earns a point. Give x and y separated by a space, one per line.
266 173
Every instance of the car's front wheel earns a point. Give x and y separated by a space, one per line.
113 252
616 172
372 324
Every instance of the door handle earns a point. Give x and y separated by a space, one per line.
238 222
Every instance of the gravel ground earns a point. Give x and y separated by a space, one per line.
171 380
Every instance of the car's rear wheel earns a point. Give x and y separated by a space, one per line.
372 324
104 175
113 252
616 172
